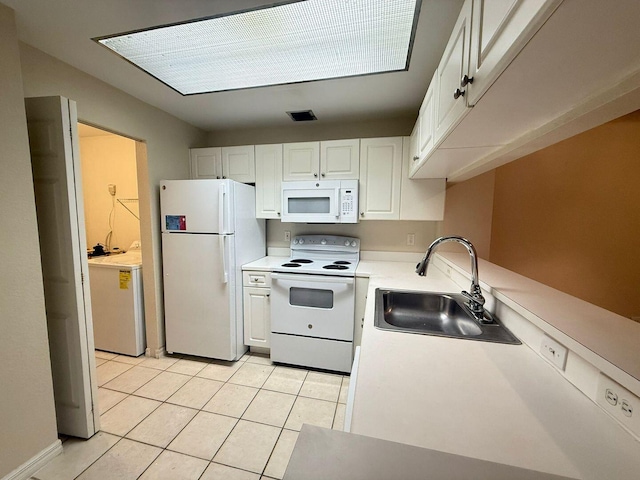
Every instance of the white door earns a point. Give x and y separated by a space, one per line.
238 163
55 157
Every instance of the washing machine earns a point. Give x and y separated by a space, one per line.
117 303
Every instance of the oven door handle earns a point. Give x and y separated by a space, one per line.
311 278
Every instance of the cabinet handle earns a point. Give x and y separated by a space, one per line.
362 214
458 93
315 175
466 80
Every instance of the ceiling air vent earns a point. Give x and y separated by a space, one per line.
302 116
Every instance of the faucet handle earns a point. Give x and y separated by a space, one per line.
475 297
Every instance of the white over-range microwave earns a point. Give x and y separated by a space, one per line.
324 201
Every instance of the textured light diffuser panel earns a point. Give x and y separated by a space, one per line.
296 42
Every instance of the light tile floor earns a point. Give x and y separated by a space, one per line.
188 418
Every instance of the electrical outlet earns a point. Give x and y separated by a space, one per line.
411 239
112 189
620 403
554 352
287 236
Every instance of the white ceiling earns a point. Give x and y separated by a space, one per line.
64 29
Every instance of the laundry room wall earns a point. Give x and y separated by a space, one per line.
109 159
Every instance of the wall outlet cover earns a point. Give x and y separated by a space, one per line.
554 352
620 403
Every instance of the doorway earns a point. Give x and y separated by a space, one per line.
112 224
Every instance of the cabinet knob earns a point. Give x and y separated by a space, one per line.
362 214
315 175
466 80
268 295
322 174
224 176
416 157
278 213
458 93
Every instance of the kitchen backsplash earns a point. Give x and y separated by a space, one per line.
390 236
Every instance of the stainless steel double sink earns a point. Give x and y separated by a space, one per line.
441 314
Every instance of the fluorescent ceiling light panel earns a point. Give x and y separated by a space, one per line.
288 43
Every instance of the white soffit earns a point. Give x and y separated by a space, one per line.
286 43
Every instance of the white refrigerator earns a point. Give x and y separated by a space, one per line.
209 230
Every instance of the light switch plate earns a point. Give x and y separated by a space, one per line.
620 403
554 352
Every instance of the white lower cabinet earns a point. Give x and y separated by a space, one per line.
257 309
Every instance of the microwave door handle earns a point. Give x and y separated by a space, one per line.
311 278
223 259
221 210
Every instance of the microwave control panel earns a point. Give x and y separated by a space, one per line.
348 205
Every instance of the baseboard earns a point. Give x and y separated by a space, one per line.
157 353
34 464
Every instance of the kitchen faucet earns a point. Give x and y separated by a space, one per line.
475 301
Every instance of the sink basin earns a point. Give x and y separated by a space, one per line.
442 314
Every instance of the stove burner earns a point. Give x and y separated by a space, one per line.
289 264
335 267
342 262
301 260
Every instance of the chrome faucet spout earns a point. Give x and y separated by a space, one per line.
476 300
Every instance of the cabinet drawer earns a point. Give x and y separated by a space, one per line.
256 279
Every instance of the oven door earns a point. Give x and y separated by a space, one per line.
311 202
312 305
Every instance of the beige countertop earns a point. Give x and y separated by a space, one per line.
500 403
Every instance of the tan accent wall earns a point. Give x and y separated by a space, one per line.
27 412
569 216
468 211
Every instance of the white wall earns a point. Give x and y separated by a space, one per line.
167 141
27 412
109 159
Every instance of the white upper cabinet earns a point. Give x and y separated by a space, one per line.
451 91
426 121
268 180
380 178
236 163
499 29
329 160
206 162
301 161
340 159
420 199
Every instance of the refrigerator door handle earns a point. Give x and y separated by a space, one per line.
223 255
221 211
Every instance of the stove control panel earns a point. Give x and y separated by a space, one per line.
326 243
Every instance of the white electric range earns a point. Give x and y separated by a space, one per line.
312 303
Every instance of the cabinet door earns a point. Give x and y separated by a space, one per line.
380 175
426 118
420 199
268 181
500 29
451 107
340 159
238 163
301 161
257 317
206 162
